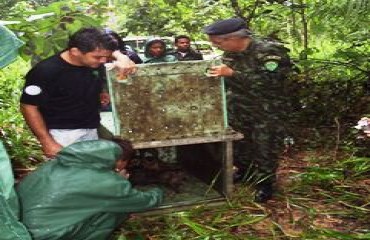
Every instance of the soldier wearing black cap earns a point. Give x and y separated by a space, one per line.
255 72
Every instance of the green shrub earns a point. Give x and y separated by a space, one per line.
20 143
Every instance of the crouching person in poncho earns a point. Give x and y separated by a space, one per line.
81 194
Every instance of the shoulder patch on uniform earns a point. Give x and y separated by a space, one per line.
33 90
271 65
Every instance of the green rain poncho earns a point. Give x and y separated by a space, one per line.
78 195
10 227
9 46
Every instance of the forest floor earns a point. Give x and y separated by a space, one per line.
297 210
320 207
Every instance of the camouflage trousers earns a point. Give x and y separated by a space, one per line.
258 153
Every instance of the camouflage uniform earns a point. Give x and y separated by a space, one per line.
256 103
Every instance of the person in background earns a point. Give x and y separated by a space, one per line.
61 97
183 50
83 193
256 72
123 48
156 52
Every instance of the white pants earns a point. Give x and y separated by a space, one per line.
66 137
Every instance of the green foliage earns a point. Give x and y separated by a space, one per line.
325 177
20 143
332 92
42 2
356 167
47 34
338 18
5 6
167 17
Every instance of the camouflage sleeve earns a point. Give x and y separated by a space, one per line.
232 61
239 74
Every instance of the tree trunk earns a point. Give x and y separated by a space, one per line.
305 29
293 30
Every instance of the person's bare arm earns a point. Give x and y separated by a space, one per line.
123 63
37 125
221 70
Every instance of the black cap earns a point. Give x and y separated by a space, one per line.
226 26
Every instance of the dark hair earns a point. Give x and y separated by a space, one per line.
89 39
126 146
150 42
117 38
181 36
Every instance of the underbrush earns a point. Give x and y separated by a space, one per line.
323 194
19 142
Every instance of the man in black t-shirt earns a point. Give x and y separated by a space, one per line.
61 97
